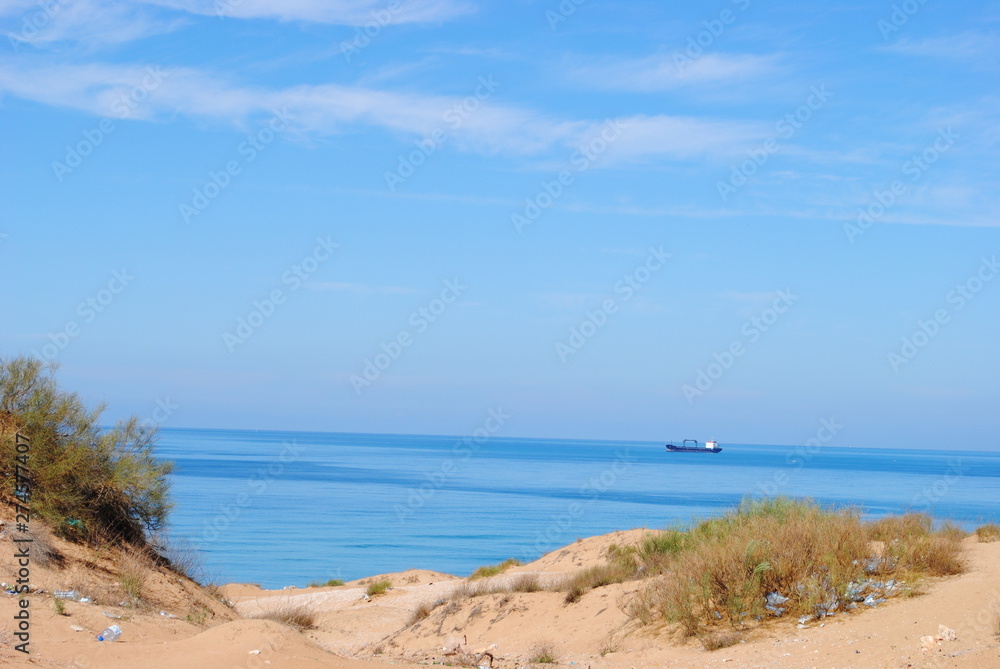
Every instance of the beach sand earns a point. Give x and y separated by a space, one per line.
353 631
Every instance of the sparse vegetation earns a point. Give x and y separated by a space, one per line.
494 569
717 640
332 583
299 616
543 654
422 611
722 570
479 588
525 583
614 571
378 587
987 533
133 568
60 606
199 615
88 483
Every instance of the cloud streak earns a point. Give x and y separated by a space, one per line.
327 109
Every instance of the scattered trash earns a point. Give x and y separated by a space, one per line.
254 652
802 627
67 594
167 615
873 601
804 619
112 616
774 601
946 633
928 643
112 633
76 628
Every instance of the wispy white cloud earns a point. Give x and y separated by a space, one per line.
661 73
89 24
326 109
971 46
339 12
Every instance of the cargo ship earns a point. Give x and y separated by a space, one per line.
692 446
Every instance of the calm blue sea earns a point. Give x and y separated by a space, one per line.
286 508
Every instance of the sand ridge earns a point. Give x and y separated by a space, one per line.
502 630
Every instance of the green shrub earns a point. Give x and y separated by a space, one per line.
332 583
721 570
88 483
378 587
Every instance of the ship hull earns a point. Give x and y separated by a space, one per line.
687 449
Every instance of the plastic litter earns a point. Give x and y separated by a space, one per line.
873 601
774 600
67 594
112 616
112 633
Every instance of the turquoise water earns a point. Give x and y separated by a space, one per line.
286 508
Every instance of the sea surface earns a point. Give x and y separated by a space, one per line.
288 508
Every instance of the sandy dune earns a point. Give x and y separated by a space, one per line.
499 630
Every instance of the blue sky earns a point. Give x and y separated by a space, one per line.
732 220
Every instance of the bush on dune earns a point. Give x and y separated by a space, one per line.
780 556
89 484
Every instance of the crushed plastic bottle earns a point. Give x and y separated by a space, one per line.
112 633
67 594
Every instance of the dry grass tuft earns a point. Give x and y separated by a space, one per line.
544 653
299 616
494 569
722 570
481 587
615 571
717 640
987 533
422 611
133 569
525 583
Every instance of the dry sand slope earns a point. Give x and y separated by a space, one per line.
592 632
